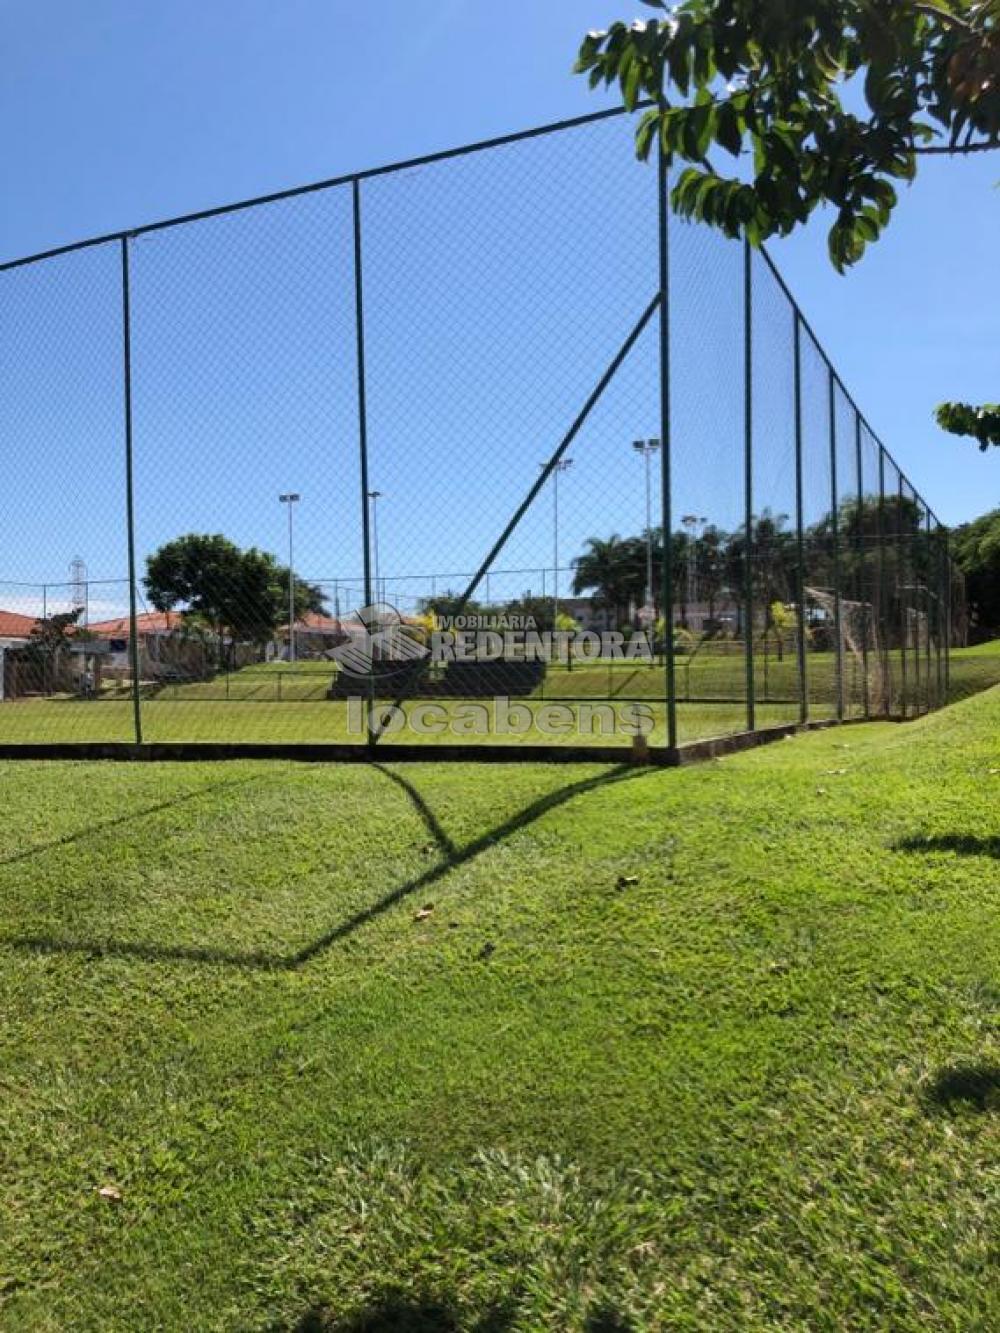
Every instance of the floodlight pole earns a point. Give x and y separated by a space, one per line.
291 498
695 525
647 448
563 465
374 497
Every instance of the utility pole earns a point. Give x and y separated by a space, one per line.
563 465
374 497
291 499
647 448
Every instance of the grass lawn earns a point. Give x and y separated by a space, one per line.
516 1048
299 723
282 704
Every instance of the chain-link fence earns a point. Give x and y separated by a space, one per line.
480 449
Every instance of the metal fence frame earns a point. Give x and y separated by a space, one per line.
923 670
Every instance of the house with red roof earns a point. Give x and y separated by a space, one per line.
15 631
15 628
171 647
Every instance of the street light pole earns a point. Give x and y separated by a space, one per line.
291 498
647 448
695 525
563 465
375 496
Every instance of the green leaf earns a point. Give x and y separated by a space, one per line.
629 73
728 132
646 133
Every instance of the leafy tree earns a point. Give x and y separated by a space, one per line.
614 569
976 547
49 635
47 639
242 595
782 623
982 423
532 609
445 605
710 566
310 599
768 78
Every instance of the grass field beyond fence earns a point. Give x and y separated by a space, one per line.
448 1047
282 704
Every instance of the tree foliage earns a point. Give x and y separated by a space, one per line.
710 567
775 80
982 423
241 594
768 77
976 547
50 634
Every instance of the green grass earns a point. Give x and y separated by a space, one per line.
974 669
716 1048
300 723
287 704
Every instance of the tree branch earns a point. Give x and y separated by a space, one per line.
947 150
932 11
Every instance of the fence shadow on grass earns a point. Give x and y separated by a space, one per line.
962 844
133 817
401 1315
452 859
972 1085
431 821
455 859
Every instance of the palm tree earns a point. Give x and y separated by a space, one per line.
613 570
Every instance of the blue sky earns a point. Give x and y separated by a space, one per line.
118 113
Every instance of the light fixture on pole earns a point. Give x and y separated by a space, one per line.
563 465
647 448
695 524
374 497
291 499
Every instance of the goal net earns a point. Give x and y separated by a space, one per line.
859 643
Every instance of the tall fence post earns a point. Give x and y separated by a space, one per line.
666 501
930 590
913 549
948 613
942 583
883 593
904 620
862 564
133 624
748 476
835 539
800 540
919 655
359 335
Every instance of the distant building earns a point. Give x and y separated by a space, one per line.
318 635
721 617
15 628
588 614
169 648
15 631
